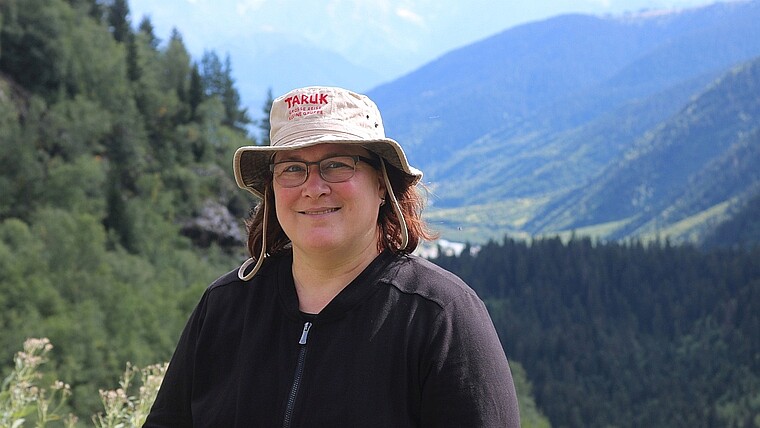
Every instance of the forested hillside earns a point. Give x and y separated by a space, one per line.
111 142
627 335
706 155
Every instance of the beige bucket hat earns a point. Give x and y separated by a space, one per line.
317 115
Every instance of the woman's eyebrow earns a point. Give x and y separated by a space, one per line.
296 157
284 156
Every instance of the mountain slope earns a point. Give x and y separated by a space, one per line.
497 82
535 114
576 61
690 160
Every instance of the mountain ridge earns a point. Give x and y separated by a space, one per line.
540 111
657 164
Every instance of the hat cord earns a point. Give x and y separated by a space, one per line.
396 207
263 255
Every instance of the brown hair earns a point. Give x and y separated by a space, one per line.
409 198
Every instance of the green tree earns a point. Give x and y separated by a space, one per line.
177 69
100 168
133 67
146 29
22 162
176 64
530 415
31 37
236 114
218 81
91 8
118 20
195 91
212 74
264 124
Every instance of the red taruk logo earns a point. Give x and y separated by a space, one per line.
305 105
306 99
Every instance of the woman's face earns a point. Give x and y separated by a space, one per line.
324 217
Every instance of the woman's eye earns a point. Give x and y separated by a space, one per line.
292 168
335 164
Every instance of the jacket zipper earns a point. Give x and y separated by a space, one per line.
297 377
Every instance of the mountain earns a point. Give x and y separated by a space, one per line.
272 62
514 131
704 156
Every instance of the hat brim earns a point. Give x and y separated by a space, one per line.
251 163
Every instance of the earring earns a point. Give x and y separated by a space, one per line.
382 202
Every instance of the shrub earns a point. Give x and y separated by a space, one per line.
23 400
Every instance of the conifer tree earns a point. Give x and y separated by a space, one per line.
195 91
30 40
264 124
218 81
118 20
237 116
118 218
146 28
176 64
93 7
133 65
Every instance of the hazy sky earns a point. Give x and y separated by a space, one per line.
390 37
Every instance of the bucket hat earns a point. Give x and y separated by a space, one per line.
317 115
314 115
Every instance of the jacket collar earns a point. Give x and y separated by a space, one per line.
366 283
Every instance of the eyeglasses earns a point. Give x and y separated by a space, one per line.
334 169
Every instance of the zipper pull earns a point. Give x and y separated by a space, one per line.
305 333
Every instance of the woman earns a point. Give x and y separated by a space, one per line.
332 323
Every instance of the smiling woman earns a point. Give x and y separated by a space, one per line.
332 321
331 215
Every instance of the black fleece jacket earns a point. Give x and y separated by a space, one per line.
406 344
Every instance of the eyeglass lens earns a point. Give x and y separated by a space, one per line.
333 170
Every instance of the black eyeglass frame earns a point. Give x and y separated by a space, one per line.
374 163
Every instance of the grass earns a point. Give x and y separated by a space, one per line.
691 229
477 224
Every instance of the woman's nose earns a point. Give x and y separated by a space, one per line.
314 185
